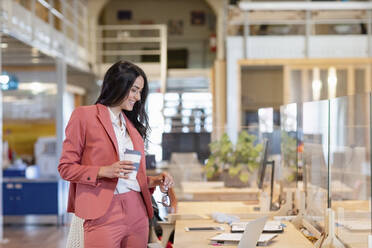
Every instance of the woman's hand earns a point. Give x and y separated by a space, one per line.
119 169
164 180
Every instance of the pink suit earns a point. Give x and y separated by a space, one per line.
90 143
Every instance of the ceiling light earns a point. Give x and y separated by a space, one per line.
37 87
316 84
4 79
332 82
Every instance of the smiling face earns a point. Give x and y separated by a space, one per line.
134 94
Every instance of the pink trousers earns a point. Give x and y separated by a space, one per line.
125 224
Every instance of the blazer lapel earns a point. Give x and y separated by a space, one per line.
104 117
134 135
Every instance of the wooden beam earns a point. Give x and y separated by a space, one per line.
304 61
15 68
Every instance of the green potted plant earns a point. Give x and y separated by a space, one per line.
238 163
243 162
221 150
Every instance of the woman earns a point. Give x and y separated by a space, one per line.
115 209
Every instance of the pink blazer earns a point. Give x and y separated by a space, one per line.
91 143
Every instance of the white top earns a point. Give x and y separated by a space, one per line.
124 142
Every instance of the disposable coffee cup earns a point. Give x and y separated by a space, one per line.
135 157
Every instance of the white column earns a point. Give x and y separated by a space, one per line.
61 76
234 53
61 121
2 240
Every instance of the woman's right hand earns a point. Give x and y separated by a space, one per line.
119 169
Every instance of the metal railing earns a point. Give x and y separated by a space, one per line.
143 44
306 19
57 28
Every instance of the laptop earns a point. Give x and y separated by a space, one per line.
251 237
270 226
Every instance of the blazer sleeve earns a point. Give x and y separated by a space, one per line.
70 167
152 189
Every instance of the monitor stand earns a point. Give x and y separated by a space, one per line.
272 163
287 208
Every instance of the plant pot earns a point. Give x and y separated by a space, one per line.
216 177
233 182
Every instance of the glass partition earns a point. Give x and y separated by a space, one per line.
350 168
289 144
270 137
315 159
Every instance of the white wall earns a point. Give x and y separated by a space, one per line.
195 38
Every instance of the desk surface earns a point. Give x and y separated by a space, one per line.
206 208
182 239
352 238
216 191
352 205
358 211
354 211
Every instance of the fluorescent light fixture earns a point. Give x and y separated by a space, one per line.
316 84
37 87
4 79
332 82
4 45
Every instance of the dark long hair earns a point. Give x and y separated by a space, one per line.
117 82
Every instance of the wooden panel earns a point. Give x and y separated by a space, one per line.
318 62
215 191
219 98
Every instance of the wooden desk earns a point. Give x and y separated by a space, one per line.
353 239
354 210
206 208
352 205
182 239
216 191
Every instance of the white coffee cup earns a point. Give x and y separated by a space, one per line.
135 157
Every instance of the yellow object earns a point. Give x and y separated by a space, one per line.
22 134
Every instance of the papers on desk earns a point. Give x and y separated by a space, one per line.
270 227
264 239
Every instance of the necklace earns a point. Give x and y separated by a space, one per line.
120 125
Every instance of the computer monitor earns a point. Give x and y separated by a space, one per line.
150 161
263 163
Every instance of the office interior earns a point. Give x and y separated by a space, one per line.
256 108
